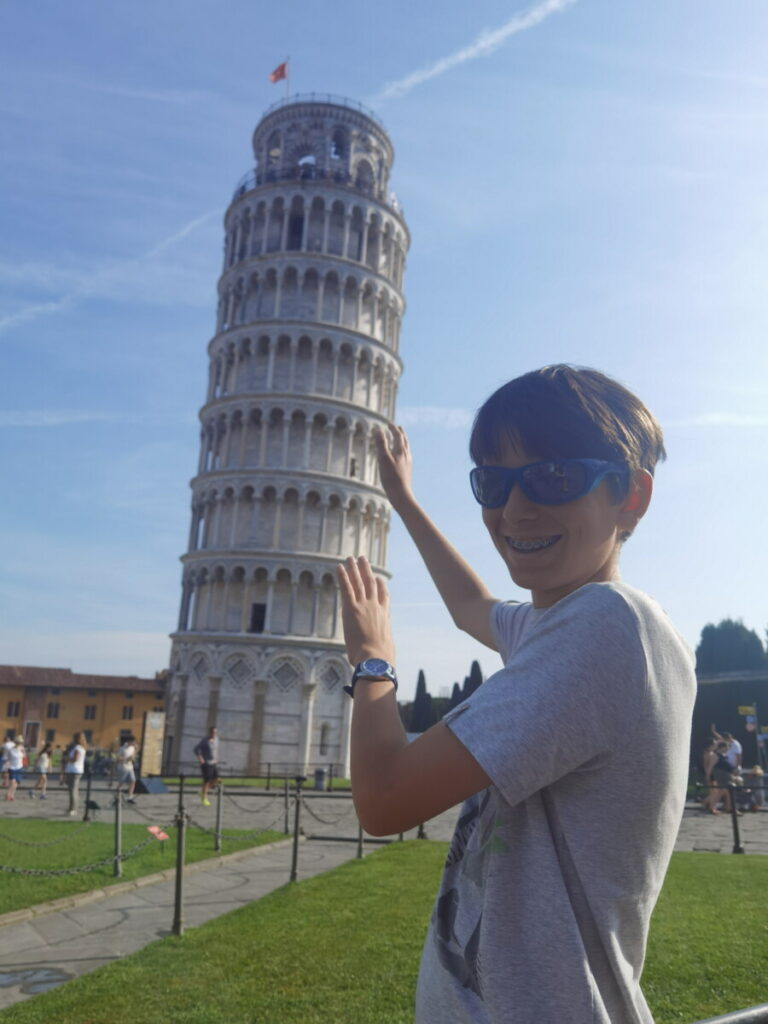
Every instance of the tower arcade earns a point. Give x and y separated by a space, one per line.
303 366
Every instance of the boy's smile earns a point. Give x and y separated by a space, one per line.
553 550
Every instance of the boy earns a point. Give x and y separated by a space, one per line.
572 759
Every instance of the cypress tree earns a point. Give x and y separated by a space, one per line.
423 714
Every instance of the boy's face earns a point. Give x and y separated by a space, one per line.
579 541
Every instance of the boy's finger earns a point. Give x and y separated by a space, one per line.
366 576
382 592
357 590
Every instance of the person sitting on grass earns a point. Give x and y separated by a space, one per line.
558 855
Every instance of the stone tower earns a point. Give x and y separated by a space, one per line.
304 365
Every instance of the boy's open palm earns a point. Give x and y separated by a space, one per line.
365 612
395 462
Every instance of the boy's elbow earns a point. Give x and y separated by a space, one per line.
377 816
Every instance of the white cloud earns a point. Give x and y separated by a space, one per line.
65 417
488 41
434 416
128 278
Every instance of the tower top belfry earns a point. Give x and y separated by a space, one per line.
303 367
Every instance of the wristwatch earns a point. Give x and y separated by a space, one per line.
372 668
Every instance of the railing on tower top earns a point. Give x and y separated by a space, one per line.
323 97
309 172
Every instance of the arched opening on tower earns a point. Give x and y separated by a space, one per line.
295 234
364 177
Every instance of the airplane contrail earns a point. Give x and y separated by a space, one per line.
488 41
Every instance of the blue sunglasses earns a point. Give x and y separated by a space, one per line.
551 482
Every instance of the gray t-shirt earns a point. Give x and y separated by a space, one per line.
553 871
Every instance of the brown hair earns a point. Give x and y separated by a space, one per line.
568 412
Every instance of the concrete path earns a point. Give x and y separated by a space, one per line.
52 947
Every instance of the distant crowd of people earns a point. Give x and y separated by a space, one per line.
14 760
721 764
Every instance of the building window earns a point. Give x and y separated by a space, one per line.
91 693
88 733
52 711
258 618
158 709
55 692
158 696
10 734
50 735
14 709
129 694
127 712
90 713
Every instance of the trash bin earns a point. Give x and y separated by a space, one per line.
320 779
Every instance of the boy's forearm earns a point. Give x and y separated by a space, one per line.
458 584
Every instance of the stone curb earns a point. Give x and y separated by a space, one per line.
80 899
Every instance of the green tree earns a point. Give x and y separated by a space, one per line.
456 697
423 713
473 680
728 647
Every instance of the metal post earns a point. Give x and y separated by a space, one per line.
359 840
295 860
87 815
269 774
219 811
421 834
737 844
181 823
118 869
401 837
330 776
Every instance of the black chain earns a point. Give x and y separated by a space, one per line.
234 838
50 842
250 810
325 821
83 868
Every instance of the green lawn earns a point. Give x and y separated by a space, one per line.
343 948
87 844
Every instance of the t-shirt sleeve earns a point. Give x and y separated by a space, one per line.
567 696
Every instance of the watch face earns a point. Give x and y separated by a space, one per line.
376 666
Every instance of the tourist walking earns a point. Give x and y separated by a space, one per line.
207 752
74 766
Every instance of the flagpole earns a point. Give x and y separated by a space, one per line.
287 77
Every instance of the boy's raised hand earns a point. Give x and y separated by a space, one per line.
395 463
365 612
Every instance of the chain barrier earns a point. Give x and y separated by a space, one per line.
82 868
232 838
250 810
325 821
50 842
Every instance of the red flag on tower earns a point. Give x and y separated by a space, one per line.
281 71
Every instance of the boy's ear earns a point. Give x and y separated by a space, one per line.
637 500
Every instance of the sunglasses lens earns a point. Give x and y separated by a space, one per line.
490 485
554 483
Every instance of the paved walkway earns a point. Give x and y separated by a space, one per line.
46 950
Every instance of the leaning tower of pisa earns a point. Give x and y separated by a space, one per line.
303 366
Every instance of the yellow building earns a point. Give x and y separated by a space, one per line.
50 704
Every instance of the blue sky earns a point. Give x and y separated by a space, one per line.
584 181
